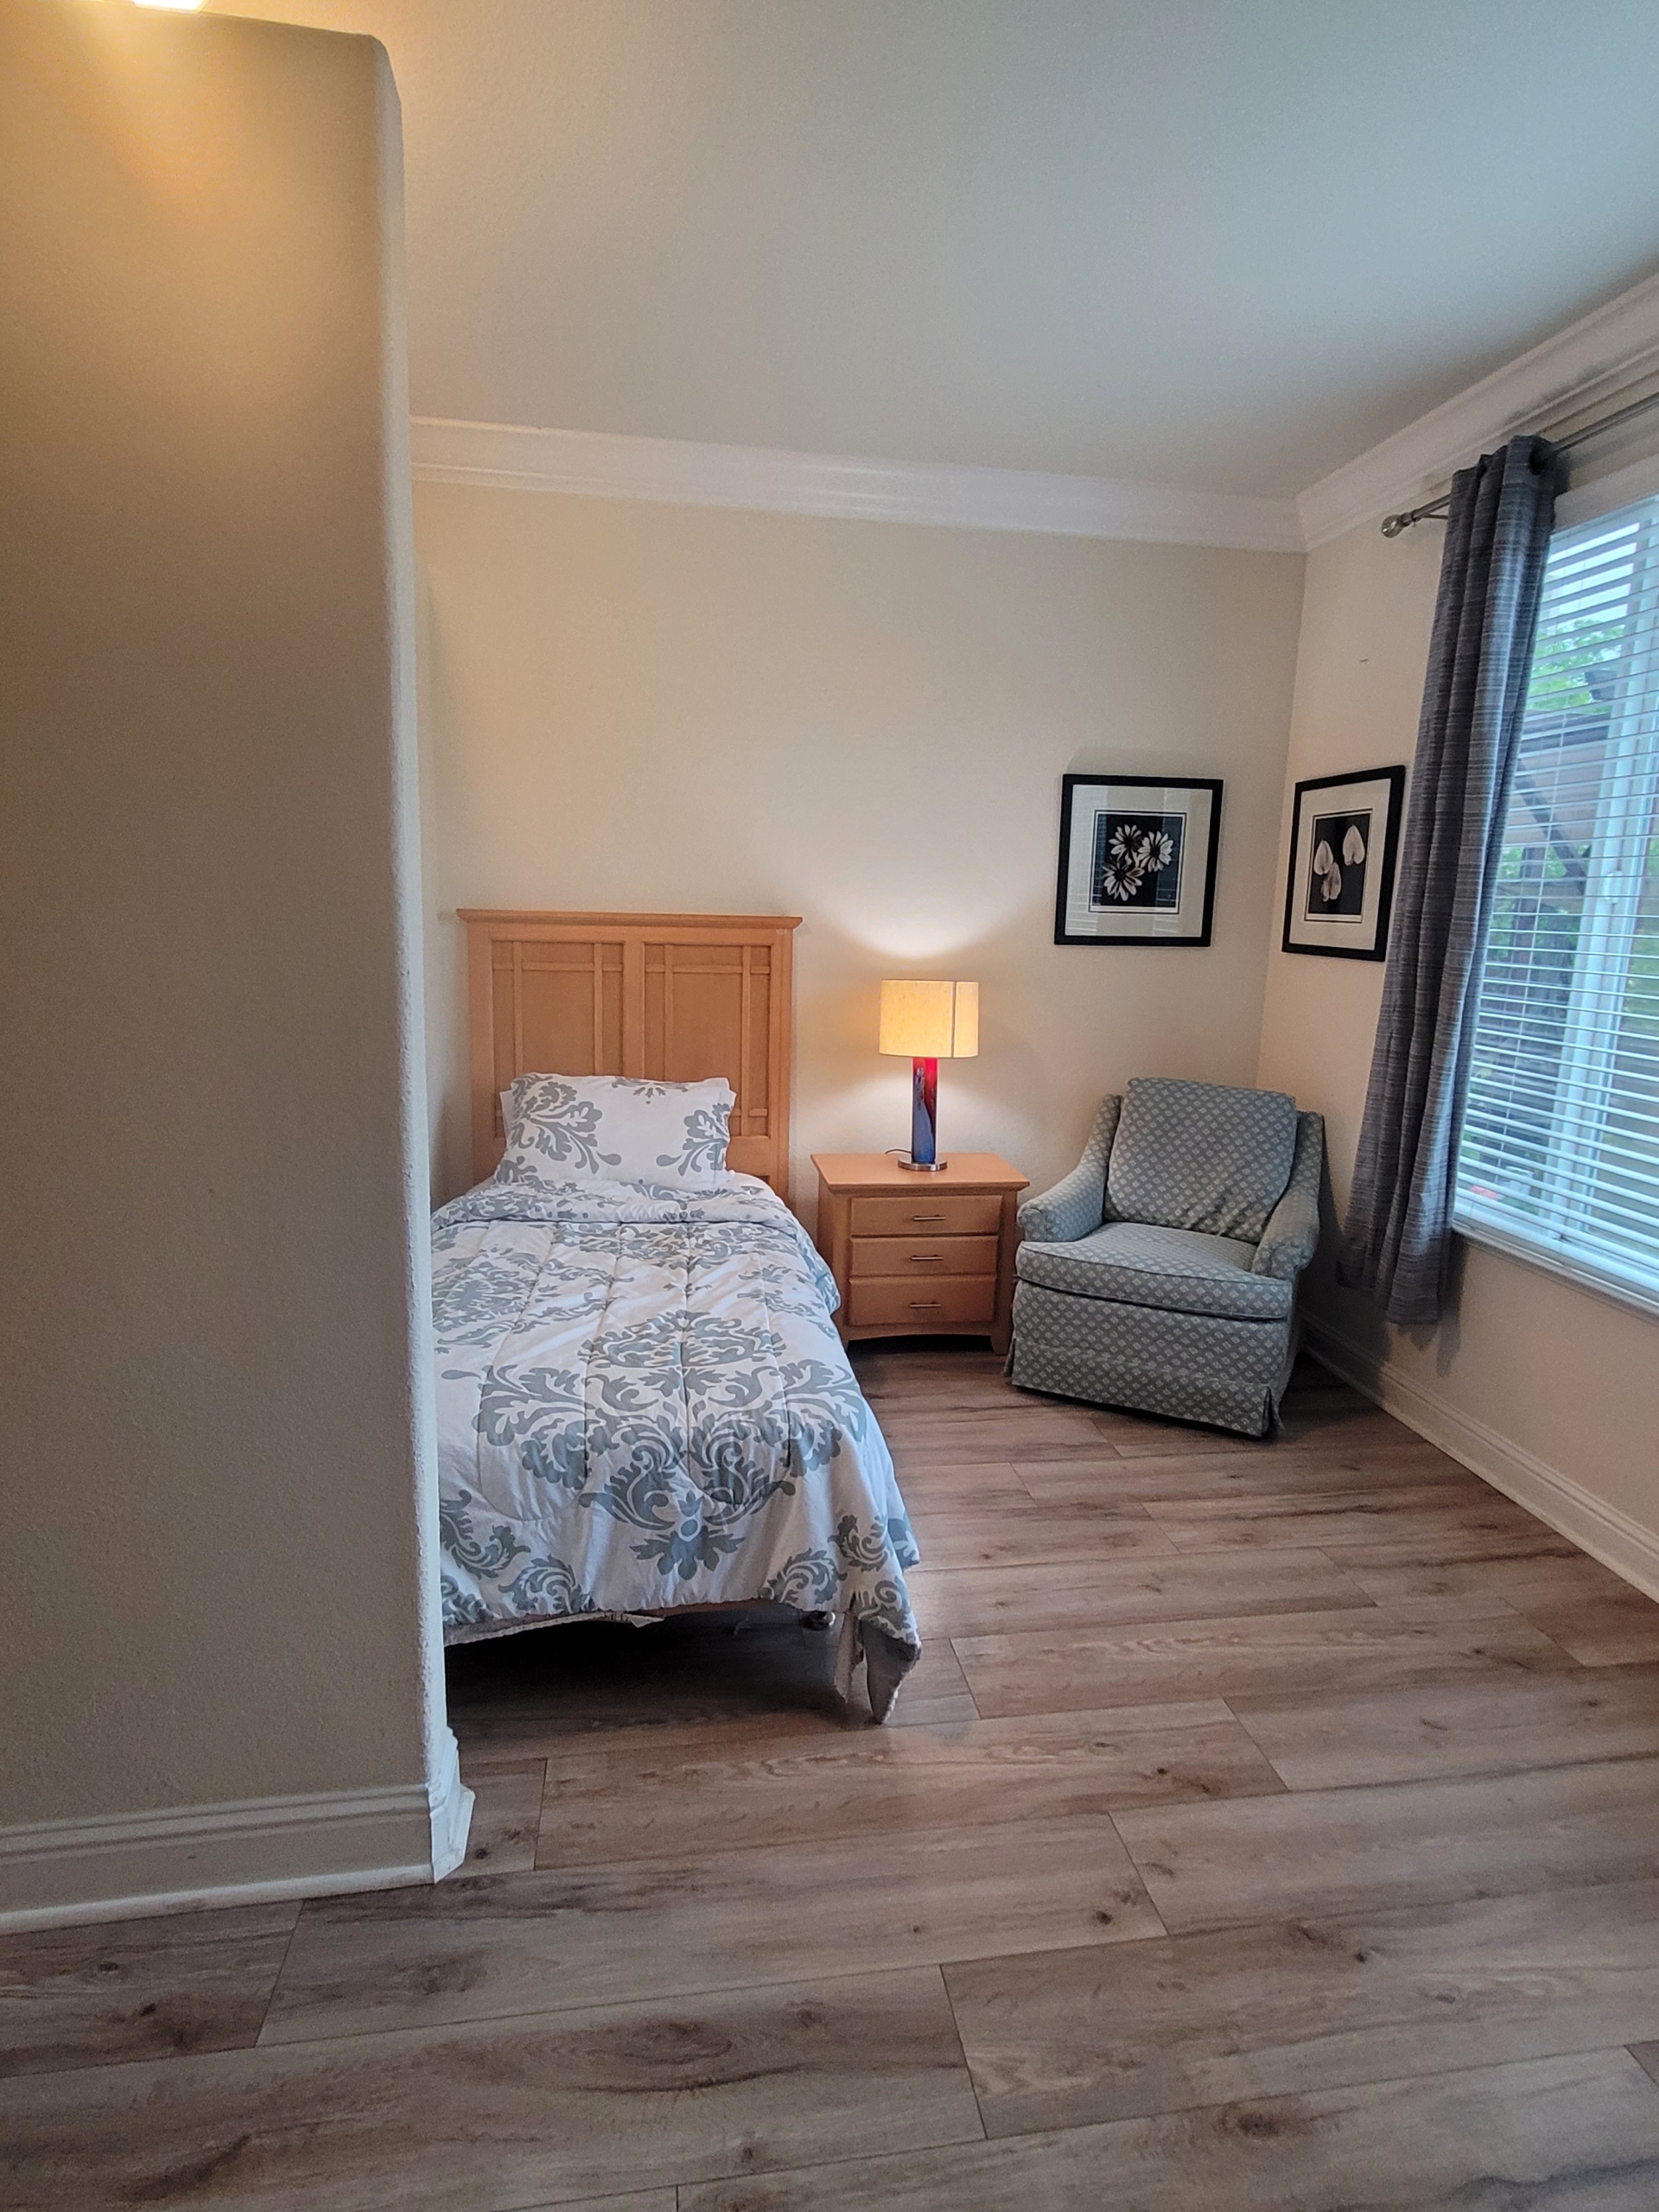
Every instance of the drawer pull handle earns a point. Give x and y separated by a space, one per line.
924 1305
925 1259
927 1216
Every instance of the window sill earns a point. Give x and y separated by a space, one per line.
1604 1282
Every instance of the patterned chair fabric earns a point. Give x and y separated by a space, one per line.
1077 1204
1161 1273
1175 1268
1201 1155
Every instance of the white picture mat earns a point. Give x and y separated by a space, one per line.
1354 933
1083 920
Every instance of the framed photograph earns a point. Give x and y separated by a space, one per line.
1344 835
1137 859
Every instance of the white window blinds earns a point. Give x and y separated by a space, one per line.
1560 1145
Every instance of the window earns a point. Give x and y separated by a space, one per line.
1559 1155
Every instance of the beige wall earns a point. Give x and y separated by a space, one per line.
213 1302
1555 1374
865 723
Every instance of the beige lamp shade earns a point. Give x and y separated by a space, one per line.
930 1021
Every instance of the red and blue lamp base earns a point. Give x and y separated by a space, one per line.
923 1118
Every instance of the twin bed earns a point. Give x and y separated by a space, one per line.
644 1403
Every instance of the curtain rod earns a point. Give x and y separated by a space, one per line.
1435 509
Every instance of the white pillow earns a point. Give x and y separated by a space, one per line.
608 1127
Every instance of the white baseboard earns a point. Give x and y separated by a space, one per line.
55 1872
1608 1534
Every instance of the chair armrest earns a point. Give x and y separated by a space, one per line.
1075 1207
1292 1235
1077 1204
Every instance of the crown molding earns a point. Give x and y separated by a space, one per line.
1584 363
678 473
1580 367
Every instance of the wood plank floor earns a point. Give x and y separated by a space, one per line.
1266 1828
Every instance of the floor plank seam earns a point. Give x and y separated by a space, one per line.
1240 1721
774 2174
966 2064
1161 1930
464 2022
1324 1914
1573 1663
1482 1773
1013 2138
1245 2100
963 1671
1332 1918
277 1978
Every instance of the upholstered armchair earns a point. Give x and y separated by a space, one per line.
1161 1273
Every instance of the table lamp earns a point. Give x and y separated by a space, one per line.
926 1023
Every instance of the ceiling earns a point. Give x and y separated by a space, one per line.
1223 245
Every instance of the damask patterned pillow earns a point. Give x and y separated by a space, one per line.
564 1128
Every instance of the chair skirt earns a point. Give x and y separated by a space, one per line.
1228 1373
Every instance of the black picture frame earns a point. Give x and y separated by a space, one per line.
1148 903
1320 798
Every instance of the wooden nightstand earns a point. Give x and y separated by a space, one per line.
919 1255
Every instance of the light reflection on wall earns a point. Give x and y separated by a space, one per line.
913 923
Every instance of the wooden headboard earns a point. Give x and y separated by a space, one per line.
671 998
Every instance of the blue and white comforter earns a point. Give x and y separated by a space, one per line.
643 1402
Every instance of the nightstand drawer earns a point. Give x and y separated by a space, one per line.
883 1302
941 1214
921 1257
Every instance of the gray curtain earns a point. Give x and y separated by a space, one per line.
1491 576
